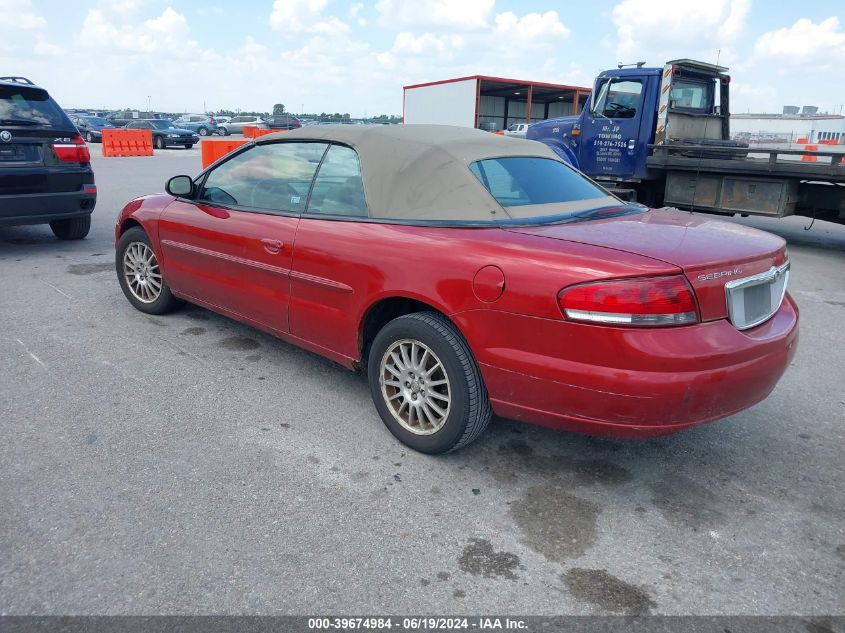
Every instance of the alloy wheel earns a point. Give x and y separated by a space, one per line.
142 273
415 386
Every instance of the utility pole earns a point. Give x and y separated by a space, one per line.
148 103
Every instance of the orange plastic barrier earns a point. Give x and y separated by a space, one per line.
830 141
807 158
120 142
251 131
212 149
802 140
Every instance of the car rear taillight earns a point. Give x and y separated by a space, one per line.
642 301
73 150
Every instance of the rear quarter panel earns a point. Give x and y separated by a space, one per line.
368 261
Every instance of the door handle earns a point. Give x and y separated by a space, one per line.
274 247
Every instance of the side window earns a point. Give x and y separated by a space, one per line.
273 177
339 188
617 99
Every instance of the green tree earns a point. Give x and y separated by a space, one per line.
279 108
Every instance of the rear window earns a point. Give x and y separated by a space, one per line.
525 180
29 106
687 94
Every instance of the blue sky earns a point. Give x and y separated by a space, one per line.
348 56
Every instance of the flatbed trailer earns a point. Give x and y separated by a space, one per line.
762 183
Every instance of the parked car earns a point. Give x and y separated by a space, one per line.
165 134
283 122
469 274
122 117
45 165
517 129
91 127
222 119
202 124
237 124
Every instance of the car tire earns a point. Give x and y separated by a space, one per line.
160 144
89 137
72 228
202 131
188 145
138 271
223 131
440 381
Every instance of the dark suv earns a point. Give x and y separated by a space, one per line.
45 165
283 122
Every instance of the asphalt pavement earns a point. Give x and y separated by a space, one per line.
187 464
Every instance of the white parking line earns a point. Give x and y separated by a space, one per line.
31 355
56 289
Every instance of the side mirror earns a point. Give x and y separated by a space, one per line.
180 186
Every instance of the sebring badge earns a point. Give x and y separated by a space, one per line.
723 273
5 136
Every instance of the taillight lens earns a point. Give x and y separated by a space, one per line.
75 151
643 301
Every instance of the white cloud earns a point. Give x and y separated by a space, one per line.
45 48
305 16
123 7
423 14
655 30
164 36
532 26
20 14
814 47
425 47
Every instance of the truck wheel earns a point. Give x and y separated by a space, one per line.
140 276
71 229
426 385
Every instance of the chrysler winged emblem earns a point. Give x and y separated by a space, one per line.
5 136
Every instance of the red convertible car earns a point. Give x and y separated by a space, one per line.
467 274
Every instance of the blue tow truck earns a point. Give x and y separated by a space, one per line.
661 136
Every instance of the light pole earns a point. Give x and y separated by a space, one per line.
148 103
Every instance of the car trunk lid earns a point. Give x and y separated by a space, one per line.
710 252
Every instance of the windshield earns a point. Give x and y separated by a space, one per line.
162 124
95 120
529 187
28 106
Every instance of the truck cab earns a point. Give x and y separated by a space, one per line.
629 109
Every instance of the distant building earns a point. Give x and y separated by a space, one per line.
792 126
490 103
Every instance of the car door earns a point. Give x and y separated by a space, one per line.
610 129
230 246
326 285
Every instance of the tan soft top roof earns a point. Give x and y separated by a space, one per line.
420 172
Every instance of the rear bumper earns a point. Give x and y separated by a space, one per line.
40 208
628 383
